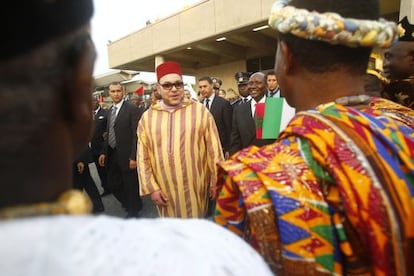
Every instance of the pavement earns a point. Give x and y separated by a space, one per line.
112 205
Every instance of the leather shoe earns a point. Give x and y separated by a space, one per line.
105 193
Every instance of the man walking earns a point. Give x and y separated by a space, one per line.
98 141
221 110
178 149
120 150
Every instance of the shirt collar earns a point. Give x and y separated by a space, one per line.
262 100
119 105
211 98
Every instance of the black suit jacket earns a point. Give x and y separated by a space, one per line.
100 125
85 157
125 133
222 112
243 133
236 102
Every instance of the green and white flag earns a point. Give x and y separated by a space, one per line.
277 115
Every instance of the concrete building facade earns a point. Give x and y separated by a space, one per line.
214 38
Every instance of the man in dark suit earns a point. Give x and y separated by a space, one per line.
121 150
273 90
82 180
242 80
221 110
98 139
138 101
243 133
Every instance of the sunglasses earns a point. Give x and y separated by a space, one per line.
169 85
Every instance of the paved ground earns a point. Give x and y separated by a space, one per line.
112 205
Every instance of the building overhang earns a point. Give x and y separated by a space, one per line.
190 37
105 79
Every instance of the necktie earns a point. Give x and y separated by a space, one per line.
207 105
111 134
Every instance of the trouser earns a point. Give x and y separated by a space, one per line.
102 173
123 183
84 181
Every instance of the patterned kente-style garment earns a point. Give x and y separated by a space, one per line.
334 195
400 91
394 110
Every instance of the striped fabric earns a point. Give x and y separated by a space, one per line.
334 196
177 153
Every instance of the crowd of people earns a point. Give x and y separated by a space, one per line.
332 194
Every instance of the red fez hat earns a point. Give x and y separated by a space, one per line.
168 67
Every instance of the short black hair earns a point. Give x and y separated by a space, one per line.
116 83
270 73
206 78
319 56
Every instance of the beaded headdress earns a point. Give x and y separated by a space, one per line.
331 27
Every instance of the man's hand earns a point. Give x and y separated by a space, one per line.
101 160
213 192
80 166
226 155
159 198
132 164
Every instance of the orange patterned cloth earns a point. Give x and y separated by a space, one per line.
334 195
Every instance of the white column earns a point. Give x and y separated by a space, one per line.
407 9
158 60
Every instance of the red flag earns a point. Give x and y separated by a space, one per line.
140 91
258 117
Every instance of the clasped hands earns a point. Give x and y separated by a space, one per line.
161 199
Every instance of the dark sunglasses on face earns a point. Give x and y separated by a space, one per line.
169 85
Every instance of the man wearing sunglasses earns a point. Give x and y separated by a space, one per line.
178 149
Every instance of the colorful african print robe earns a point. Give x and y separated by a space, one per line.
177 152
333 196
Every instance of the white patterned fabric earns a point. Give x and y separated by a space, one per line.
103 245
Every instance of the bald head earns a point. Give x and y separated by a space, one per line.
257 86
399 61
257 75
